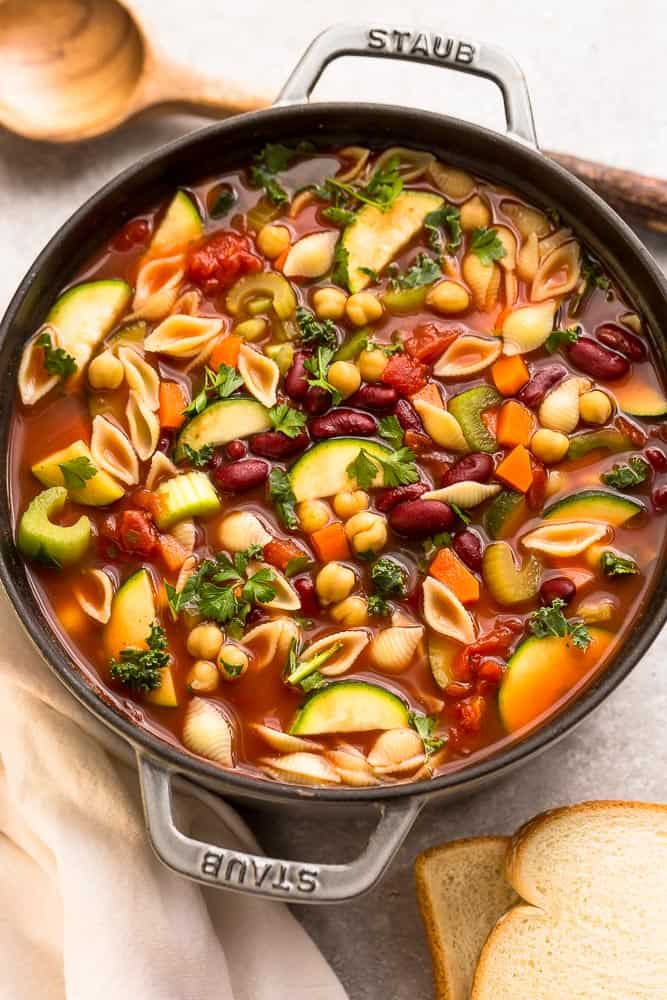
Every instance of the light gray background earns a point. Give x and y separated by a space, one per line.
593 69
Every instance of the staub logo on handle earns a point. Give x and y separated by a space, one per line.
278 877
421 43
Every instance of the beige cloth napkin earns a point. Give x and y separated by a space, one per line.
86 910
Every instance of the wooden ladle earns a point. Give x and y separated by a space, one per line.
73 69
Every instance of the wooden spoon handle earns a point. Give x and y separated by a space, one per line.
631 194
177 85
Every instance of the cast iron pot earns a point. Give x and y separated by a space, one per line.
511 159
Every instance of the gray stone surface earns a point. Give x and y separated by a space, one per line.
592 71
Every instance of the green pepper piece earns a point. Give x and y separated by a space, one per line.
405 301
468 408
353 346
39 538
605 439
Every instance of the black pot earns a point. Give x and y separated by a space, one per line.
511 159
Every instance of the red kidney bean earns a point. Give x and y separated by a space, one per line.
421 518
255 616
236 449
317 400
659 498
237 477
469 548
477 468
374 397
614 336
385 500
275 444
296 380
657 458
557 586
342 421
538 386
598 361
407 416
165 442
305 588
637 435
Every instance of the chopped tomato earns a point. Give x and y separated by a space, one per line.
417 441
137 533
218 262
428 342
405 374
278 553
536 495
146 500
469 713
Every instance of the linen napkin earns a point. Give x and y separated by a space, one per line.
86 909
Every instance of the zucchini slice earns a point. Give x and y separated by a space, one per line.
85 314
322 471
350 707
180 225
189 495
468 408
98 491
222 422
132 614
641 400
595 505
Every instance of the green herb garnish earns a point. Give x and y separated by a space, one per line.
389 577
77 471
298 671
424 271
460 513
550 621
199 457
487 245
433 544
613 565
448 217
398 469
282 496
391 431
624 476
363 469
559 338
216 386
272 160
139 669
287 420
319 366
297 565
314 331
339 216
424 726
56 360
223 203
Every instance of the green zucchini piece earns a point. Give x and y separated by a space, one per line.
442 653
133 611
222 422
605 439
98 491
376 237
350 707
189 495
468 408
322 471
504 514
352 347
595 505
641 400
181 224
404 301
85 314
39 538
129 335
508 583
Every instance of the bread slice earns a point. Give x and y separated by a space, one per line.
594 922
462 893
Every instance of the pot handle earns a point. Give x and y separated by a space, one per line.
269 878
433 47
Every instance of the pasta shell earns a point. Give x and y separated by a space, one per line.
357 779
465 494
554 240
483 280
241 529
351 643
202 357
511 288
270 641
301 768
430 766
185 533
568 538
508 240
207 732
529 221
633 321
559 410
348 758
144 426
160 468
475 214
444 613
467 355
412 163
394 748
187 304
182 336
527 328
558 272
33 379
157 287
528 259
357 156
454 183
300 201
441 425
286 598
112 451
284 742
94 593
260 374
311 256
392 649
140 376
186 571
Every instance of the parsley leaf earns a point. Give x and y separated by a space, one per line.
377 605
139 669
370 272
448 217
315 331
56 360
287 420
424 726
219 592
300 670
613 565
216 603
77 471
363 469
487 245
319 366
389 577
274 159
391 431
424 271
592 276
433 544
282 495
313 682
231 669
460 513
297 564
623 476
199 457
215 387
382 190
558 338
550 620
399 469
341 274
223 203
339 216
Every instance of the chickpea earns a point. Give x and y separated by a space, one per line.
349 502
232 661
251 329
595 407
549 446
448 297
367 532
362 308
555 482
313 514
351 612
329 303
105 371
475 213
334 582
204 641
345 377
273 240
202 677
371 364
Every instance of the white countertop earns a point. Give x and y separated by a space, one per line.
591 67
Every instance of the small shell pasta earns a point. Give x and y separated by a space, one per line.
112 451
444 613
467 355
558 273
144 426
241 529
260 375
527 328
94 593
157 288
270 641
566 539
301 768
207 732
312 256
441 425
33 379
140 376
412 163
350 642
183 336
160 468
286 597
559 410
454 183
483 280
357 157
392 649
465 494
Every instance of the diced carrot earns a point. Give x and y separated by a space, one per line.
515 424
430 393
226 352
510 374
515 469
279 553
330 542
448 569
172 552
172 403
279 262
